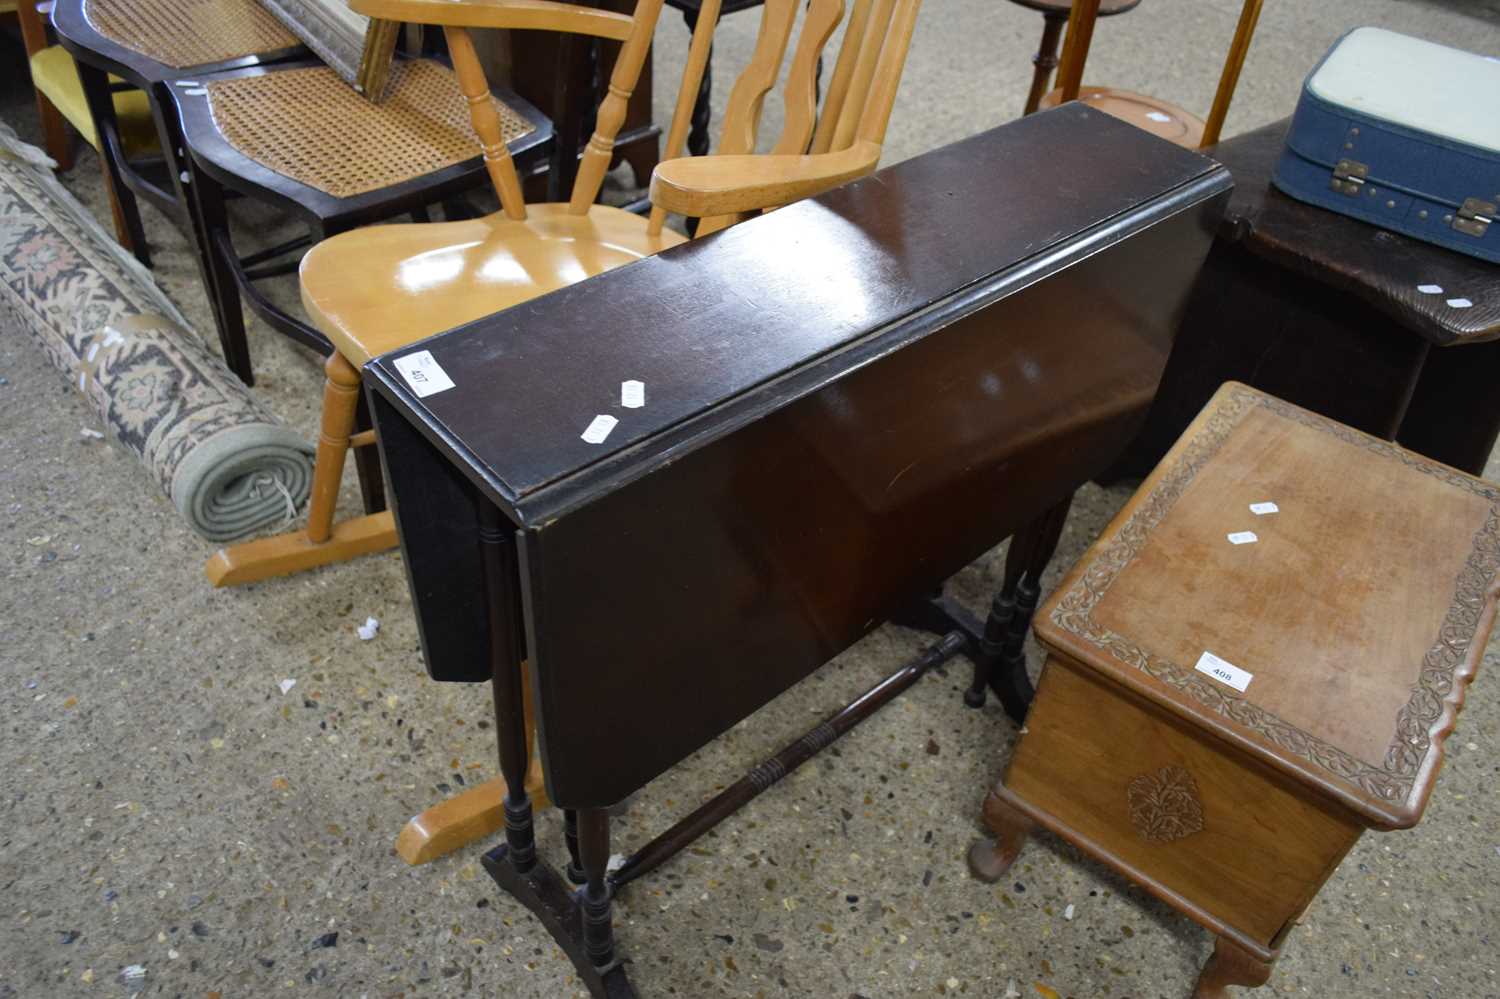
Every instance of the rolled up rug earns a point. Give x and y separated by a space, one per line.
224 461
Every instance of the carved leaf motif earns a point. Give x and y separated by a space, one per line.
1165 806
1430 702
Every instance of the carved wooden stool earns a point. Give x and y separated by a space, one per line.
1259 660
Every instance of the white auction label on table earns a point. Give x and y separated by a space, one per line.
1223 671
633 394
423 373
1242 538
1261 509
599 428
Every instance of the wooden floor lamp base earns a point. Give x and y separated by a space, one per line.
285 554
456 822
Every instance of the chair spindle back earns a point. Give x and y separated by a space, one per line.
861 91
633 31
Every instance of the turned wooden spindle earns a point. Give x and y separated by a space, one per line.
485 121
601 145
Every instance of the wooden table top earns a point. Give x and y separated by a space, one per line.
1353 621
530 380
1383 268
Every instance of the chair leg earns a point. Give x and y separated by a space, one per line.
97 95
219 282
1045 59
58 134
340 401
322 542
181 169
123 229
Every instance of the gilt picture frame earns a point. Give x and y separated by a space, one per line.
356 47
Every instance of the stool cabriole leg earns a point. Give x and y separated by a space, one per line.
989 859
1230 965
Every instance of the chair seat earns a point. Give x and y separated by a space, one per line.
1158 117
186 33
55 76
308 124
376 289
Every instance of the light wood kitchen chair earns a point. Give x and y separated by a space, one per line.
374 290
1153 114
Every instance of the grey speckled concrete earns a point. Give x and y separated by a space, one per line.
166 805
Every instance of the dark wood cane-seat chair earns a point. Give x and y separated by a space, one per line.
297 137
149 44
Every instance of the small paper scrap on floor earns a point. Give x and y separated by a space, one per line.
90 434
1068 912
287 685
616 861
369 629
132 973
1010 990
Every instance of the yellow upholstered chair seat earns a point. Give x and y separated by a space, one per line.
54 74
373 290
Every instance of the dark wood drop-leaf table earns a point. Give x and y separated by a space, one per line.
845 402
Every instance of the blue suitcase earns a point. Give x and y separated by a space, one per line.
1403 133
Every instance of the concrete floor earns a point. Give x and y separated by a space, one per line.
166 805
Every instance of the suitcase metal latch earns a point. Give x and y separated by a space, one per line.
1348 177
1474 217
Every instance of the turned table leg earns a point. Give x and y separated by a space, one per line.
1045 59
1031 550
596 894
1230 965
498 557
989 859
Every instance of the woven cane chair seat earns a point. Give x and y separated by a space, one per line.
185 33
310 125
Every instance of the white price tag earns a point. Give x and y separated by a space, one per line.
1261 509
632 394
423 373
599 429
1225 672
1243 538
